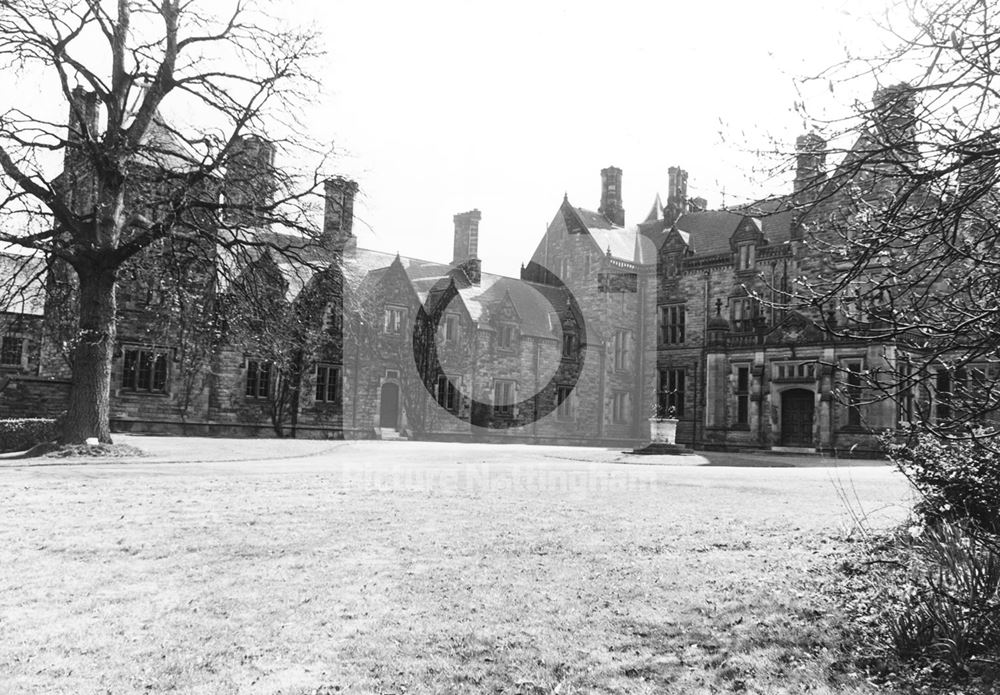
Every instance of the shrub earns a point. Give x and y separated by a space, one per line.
24 433
950 610
956 480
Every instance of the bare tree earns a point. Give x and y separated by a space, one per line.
130 180
907 221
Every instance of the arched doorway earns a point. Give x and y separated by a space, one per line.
797 410
388 413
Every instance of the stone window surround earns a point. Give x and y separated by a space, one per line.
621 407
258 379
136 378
673 318
394 318
7 352
507 336
446 393
504 394
564 402
327 377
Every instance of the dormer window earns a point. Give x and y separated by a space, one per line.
393 323
449 328
506 336
746 256
671 265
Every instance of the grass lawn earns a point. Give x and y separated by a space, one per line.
392 567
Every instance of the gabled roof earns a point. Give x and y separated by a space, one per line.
482 301
711 230
622 242
776 215
164 148
532 302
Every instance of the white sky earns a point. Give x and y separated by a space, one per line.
442 106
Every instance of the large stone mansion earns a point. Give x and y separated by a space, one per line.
609 324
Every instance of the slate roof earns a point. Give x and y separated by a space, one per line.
776 216
532 302
624 242
366 266
711 230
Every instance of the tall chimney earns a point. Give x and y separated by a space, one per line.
466 247
79 183
894 116
677 187
611 196
338 221
810 166
250 180
82 121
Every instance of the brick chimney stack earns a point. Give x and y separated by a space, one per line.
611 196
338 221
78 179
677 200
894 116
250 180
466 246
82 115
810 166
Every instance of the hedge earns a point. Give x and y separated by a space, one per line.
24 433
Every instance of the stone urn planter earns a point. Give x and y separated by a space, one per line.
662 430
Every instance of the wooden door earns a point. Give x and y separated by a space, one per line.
388 415
797 410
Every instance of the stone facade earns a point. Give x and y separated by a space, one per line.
608 325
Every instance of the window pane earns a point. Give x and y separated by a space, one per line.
321 380
160 373
333 385
251 378
10 350
128 369
145 376
264 381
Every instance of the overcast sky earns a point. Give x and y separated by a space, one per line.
441 106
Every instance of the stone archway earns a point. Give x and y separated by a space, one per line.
798 412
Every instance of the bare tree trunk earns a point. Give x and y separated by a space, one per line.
89 407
